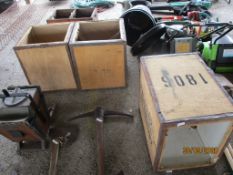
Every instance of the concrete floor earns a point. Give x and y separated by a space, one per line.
124 139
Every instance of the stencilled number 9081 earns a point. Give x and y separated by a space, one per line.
187 79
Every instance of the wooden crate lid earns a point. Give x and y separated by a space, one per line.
183 87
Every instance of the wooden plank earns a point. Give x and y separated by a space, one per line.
149 117
68 20
100 66
229 157
55 147
230 149
185 88
48 67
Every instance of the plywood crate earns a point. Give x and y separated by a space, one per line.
98 53
73 15
187 115
45 58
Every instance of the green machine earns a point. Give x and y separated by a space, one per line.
218 51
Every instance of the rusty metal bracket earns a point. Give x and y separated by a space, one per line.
100 114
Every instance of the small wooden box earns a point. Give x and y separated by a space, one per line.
73 15
187 116
45 58
98 52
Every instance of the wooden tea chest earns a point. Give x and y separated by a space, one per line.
187 116
98 52
45 58
73 15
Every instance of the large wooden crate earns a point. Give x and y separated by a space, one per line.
98 53
73 15
45 58
187 116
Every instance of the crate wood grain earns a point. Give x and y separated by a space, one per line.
73 15
187 116
98 53
45 58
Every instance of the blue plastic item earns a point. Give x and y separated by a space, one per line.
92 3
